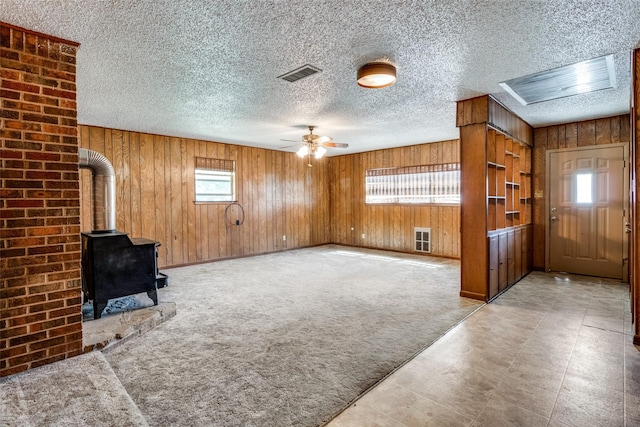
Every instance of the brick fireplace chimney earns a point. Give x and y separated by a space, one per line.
40 287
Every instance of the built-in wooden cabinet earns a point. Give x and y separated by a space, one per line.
495 266
496 230
509 257
503 261
508 209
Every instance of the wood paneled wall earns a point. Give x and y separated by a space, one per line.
634 268
390 226
281 196
486 109
609 130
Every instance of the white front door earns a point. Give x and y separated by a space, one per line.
586 211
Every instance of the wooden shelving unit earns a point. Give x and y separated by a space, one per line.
508 182
508 210
495 154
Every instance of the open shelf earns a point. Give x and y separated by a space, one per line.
508 182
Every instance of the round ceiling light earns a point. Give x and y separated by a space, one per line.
375 75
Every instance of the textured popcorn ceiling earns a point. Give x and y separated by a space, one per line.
207 69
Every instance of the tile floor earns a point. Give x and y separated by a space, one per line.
554 350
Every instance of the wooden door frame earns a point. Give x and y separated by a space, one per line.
625 202
635 218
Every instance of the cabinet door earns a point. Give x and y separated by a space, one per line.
511 258
518 254
528 248
494 264
502 261
524 252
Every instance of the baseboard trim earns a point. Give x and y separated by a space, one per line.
206 261
473 295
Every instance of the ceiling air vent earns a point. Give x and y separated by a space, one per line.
300 73
582 77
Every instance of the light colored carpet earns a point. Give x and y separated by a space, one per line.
82 391
286 339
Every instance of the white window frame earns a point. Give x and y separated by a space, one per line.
209 169
425 184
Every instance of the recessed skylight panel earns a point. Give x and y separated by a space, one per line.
569 80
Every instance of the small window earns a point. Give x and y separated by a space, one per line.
584 191
432 184
215 180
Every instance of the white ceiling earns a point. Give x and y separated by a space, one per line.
207 69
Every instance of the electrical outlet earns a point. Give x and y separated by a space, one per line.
284 238
362 235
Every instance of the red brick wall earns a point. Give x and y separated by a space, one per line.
40 301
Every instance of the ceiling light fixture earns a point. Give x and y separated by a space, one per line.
315 145
375 75
320 151
310 148
303 151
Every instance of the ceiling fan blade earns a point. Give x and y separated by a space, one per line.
288 146
334 144
290 140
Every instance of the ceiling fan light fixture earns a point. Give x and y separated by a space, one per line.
320 151
303 151
375 75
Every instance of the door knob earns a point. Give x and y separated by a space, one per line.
554 218
627 227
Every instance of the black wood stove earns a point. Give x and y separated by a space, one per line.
114 266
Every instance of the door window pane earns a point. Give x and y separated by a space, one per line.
584 188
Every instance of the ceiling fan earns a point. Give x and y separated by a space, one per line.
315 145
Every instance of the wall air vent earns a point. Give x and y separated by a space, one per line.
423 239
300 73
581 77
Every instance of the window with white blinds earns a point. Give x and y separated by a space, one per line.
429 184
215 180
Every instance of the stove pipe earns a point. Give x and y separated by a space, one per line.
104 189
